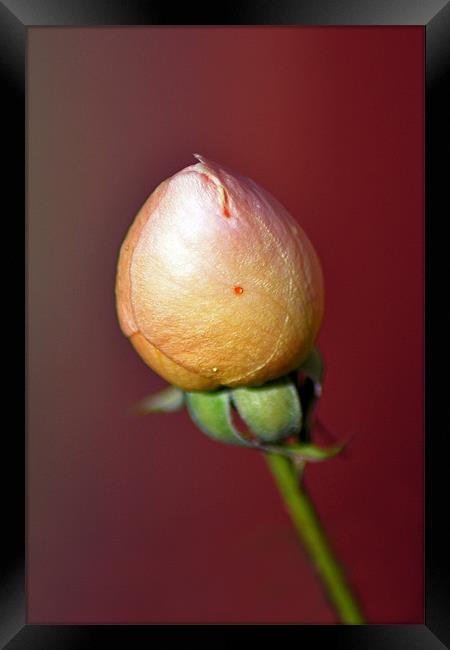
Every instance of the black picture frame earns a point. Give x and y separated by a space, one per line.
16 17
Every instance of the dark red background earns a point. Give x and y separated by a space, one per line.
145 519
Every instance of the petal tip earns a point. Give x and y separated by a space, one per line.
199 157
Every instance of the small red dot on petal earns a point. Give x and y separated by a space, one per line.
238 290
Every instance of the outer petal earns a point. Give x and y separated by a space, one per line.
170 371
124 307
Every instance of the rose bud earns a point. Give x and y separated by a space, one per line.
216 284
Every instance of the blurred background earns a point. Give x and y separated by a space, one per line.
144 519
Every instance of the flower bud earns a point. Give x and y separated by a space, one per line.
216 284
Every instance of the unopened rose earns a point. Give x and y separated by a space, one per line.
216 283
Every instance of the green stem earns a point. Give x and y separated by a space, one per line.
311 532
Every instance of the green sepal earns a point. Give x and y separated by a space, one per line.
211 412
306 451
313 366
313 369
167 400
272 411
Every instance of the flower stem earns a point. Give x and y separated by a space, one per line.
311 532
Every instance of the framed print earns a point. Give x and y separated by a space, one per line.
290 314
